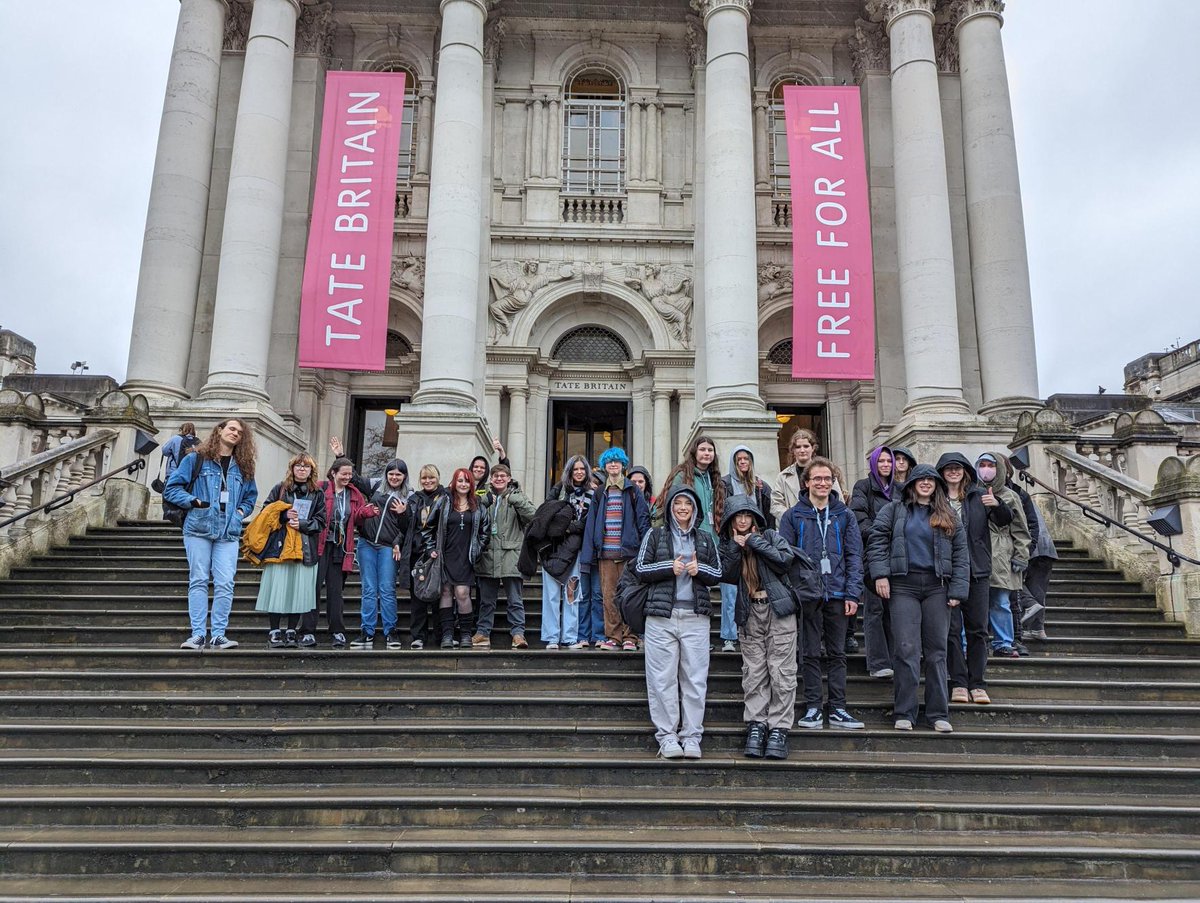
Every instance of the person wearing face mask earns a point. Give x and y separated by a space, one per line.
821 526
680 562
920 564
741 481
903 461
978 508
1010 555
428 507
617 520
345 509
555 540
869 496
380 555
509 512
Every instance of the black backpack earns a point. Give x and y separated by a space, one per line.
805 579
632 594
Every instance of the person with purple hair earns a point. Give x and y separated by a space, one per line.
868 498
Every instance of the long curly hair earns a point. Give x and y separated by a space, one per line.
687 468
244 453
289 481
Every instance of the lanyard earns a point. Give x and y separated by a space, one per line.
823 529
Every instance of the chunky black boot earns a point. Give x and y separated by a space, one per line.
756 738
466 628
777 744
447 624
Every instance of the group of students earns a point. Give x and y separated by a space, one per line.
935 556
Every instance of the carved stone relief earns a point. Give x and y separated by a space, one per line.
237 26
869 49
945 48
514 283
493 41
409 273
773 280
669 291
315 31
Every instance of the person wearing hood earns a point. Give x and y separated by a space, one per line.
1010 555
918 558
754 562
903 461
1042 555
380 538
640 477
869 496
481 468
741 481
978 508
565 591
821 526
510 513
617 521
680 562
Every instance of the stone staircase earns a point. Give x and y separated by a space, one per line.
132 770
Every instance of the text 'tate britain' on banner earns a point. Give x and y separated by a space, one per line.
833 302
347 268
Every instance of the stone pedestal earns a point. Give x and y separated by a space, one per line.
1179 590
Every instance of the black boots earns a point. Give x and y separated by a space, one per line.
777 744
447 624
756 739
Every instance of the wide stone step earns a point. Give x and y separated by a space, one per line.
556 708
971 737
592 852
592 808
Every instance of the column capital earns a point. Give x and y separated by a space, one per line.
888 11
960 11
706 8
315 31
485 6
870 49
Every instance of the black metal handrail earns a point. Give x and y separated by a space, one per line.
1099 517
66 498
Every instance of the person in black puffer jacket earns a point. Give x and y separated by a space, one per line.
681 563
380 556
556 533
755 562
871 494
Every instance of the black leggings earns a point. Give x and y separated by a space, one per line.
331 578
277 620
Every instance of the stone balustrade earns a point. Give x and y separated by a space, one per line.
585 209
781 213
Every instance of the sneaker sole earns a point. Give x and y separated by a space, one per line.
846 727
810 727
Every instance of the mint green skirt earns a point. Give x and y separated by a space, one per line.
289 588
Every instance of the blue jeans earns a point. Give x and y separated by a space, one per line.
728 601
378 586
215 561
1000 617
560 627
591 607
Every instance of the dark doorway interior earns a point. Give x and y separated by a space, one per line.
792 419
585 428
373 434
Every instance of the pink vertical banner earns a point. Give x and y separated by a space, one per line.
347 267
833 301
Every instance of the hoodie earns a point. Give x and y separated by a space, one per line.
842 543
901 451
656 559
976 517
1010 543
872 492
761 494
772 554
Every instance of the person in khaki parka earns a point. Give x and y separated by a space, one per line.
1010 554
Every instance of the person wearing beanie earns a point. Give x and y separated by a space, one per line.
680 563
617 520
918 558
978 508
1010 554
741 481
903 461
510 513
869 496
380 556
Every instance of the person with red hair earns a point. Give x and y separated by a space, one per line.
466 536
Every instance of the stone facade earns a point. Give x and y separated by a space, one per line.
677 269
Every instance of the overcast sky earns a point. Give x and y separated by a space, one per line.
1104 94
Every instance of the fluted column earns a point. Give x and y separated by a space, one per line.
173 246
518 407
730 243
249 266
662 455
653 141
996 222
424 129
537 167
633 153
923 232
452 249
552 163
762 164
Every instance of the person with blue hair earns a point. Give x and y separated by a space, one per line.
618 518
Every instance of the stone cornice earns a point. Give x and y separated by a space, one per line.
960 11
706 8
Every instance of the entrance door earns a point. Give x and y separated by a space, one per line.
585 428
793 419
373 434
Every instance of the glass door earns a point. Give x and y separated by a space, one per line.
585 428
373 434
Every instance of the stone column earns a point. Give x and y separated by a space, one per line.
424 129
250 240
732 409
443 421
999 261
924 242
653 135
552 162
539 411
633 152
537 164
662 455
174 240
762 159
518 406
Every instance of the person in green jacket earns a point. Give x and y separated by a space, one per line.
510 512
700 472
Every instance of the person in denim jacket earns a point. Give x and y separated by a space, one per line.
220 498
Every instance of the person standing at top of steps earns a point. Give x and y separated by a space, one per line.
509 512
290 587
978 508
870 494
919 560
380 557
216 482
821 526
741 481
1010 555
466 535
345 509
681 563
617 520
903 461
755 561
426 534
559 550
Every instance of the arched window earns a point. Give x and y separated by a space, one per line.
408 125
781 181
593 149
781 353
591 345
397 345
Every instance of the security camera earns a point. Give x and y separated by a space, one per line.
1157 390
